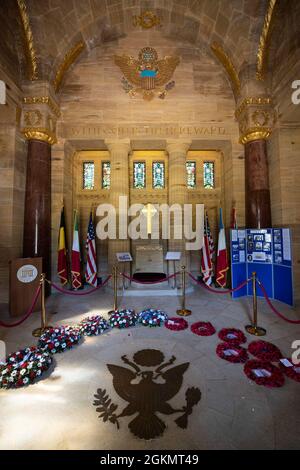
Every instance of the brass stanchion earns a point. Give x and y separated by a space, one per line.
115 287
254 329
184 312
37 332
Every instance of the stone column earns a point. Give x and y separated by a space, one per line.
177 192
119 186
256 118
38 125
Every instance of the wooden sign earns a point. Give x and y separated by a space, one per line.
24 279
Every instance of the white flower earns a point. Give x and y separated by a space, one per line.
63 345
56 344
25 380
4 371
14 373
23 371
38 372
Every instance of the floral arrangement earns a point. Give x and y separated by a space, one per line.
152 317
23 367
59 339
93 326
290 369
264 351
232 336
123 318
176 324
264 373
203 328
232 353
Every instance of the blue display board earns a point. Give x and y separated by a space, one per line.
268 253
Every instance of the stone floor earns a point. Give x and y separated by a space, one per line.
233 413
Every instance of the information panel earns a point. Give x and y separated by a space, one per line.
268 253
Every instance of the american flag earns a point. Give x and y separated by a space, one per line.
91 261
208 252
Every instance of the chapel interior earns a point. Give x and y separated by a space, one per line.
222 129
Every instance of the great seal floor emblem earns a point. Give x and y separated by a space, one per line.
147 386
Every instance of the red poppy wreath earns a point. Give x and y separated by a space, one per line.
264 351
290 369
232 336
176 324
232 353
203 328
264 373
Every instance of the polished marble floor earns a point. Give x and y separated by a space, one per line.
233 413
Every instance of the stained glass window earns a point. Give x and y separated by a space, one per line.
191 174
158 175
105 175
208 175
88 175
139 175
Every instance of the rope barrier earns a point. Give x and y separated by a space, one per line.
68 292
280 315
11 325
149 282
223 291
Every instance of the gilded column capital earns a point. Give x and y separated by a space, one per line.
256 117
178 146
40 112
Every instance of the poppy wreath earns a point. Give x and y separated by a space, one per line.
93 326
292 371
23 367
176 324
232 336
59 339
275 377
123 318
264 351
203 328
232 353
152 317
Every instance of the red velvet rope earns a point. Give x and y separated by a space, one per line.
226 291
90 291
149 282
11 325
295 322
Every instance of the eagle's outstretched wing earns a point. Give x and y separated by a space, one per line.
121 381
173 378
129 67
166 68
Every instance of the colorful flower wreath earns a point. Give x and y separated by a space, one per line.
264 373
203 328
176 324
290 369
264 351
93 326
123 318
59 339
232 353
23 367
152 317
232 336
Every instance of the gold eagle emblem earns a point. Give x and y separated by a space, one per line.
147 73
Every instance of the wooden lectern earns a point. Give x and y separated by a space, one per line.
24 279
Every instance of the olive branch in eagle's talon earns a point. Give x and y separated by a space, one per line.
105 407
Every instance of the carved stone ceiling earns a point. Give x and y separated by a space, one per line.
59 24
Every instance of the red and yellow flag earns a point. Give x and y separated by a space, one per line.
62 269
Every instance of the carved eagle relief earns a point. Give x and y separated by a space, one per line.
147 73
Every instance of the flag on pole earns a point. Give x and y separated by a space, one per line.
62 268
234 224
207 253
75 259
222 260
91 260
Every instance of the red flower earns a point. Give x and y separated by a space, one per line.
265 351
232 336
232 353
203 328
293 372
176 324
264 373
